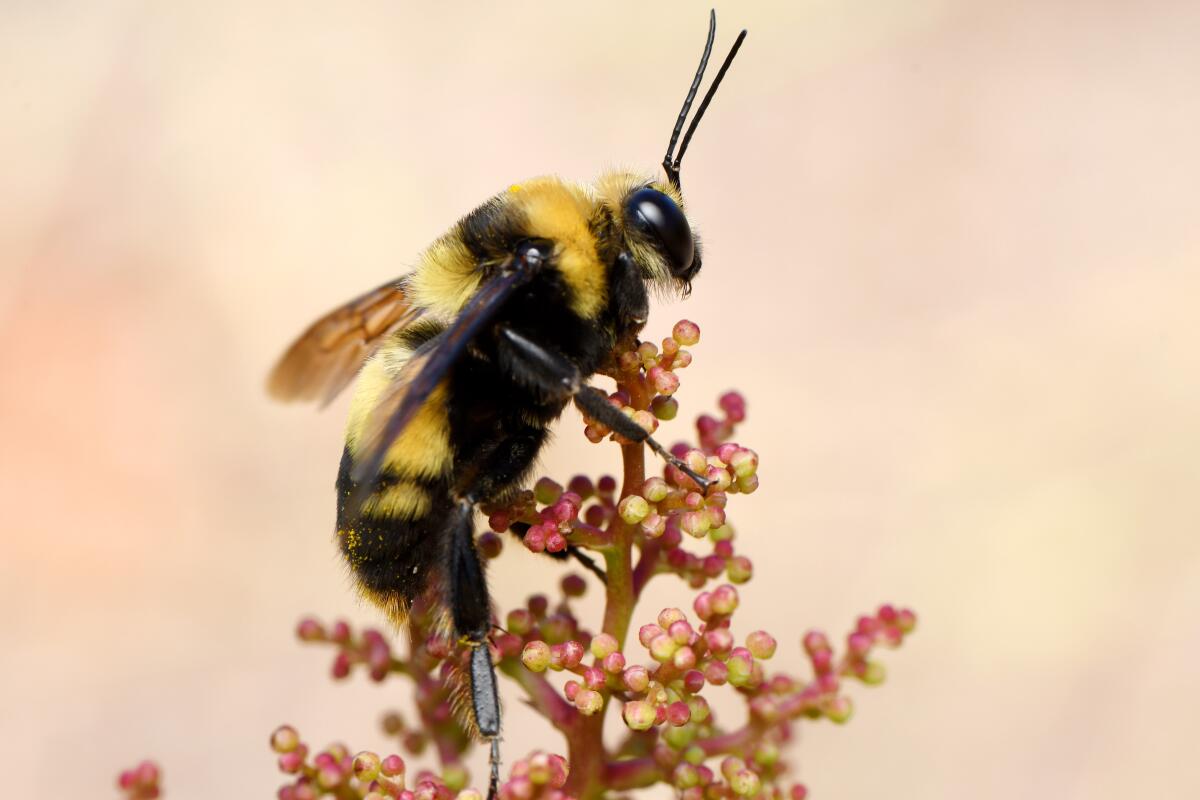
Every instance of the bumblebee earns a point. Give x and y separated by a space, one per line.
464 364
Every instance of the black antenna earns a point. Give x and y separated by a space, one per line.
672 168
687 137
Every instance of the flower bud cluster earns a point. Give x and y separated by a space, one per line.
141 782
659 681
334 772
370 649
435 663
647 381
540 776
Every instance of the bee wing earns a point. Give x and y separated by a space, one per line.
422 374
327 356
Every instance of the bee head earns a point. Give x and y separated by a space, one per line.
658 233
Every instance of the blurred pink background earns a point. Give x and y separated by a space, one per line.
951 260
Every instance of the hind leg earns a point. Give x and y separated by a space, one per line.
470 609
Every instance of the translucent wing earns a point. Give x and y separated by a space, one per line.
326 357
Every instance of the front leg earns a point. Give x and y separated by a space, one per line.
549 371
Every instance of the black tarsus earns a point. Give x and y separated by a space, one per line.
494 765
518 529
593 401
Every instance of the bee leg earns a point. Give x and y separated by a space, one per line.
471 611
537 365
596 405
587 562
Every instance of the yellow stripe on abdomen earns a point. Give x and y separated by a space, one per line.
422 451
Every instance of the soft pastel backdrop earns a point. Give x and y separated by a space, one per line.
952 260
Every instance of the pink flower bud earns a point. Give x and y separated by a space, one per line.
840 710
647 634
873 673
519 621
538 604
734 406
588 702
535 539
693 680
662 648
633 509
815 641
581 486
653 526
366 766
716 673
341 665
719 640
489 544
694 524
571 689
702 605
285 739
745 783
679 630
639 715
684 658
636 678
669 616
392 766
613 663
741 666
859 644
686 333
309 630
536 656
602 644
655 490
664 407
761 644
678 714
546 491
292 762
555 542
664 381
593 678
724 599
573 585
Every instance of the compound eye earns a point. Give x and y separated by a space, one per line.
656 215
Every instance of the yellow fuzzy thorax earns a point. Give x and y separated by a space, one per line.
560 211
550 208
